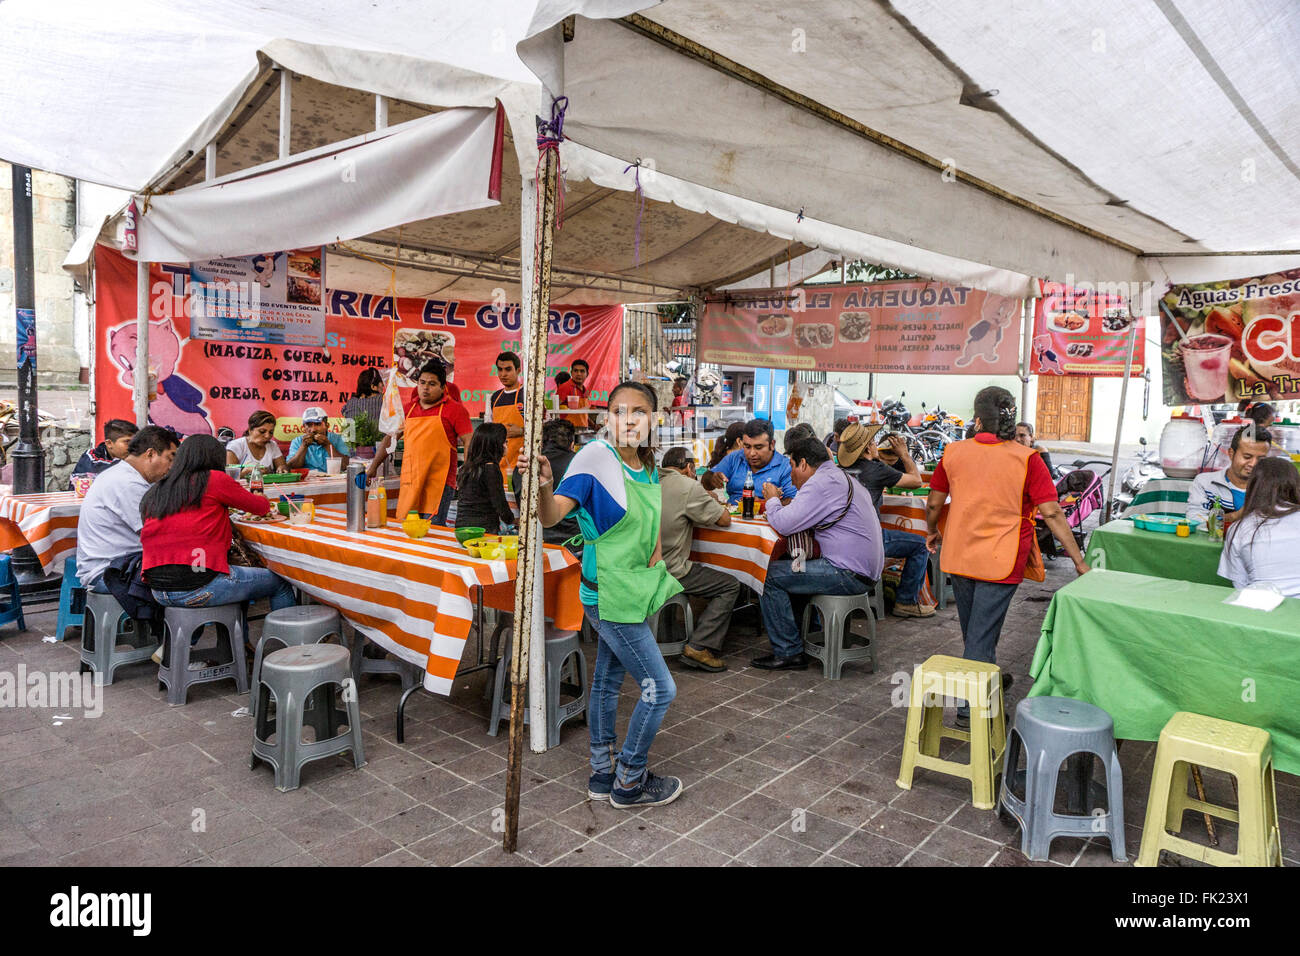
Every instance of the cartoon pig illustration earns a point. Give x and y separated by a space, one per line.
179 404
985 336
1048 360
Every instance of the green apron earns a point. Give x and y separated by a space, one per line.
628 591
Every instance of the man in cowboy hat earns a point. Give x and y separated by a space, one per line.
859 455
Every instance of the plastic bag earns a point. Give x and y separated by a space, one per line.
391 414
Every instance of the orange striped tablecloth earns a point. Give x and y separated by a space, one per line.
411 597
742 549
907 513
48 522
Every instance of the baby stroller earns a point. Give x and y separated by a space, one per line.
1080 493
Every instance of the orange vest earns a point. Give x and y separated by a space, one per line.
981 530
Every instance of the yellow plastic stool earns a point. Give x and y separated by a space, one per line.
980 685
1247 754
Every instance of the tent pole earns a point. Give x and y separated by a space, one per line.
210 161
141 371
1119 424
28 458
381 113
528 594
1027 309
286 112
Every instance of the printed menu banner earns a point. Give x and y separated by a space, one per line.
1225 341
203 385
273 298
1084 332
886 327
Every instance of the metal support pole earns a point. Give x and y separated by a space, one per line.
381 113
526 579
28 457
140 373
1027 344
1119 424
286 112
210 161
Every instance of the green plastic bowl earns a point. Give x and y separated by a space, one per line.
468 534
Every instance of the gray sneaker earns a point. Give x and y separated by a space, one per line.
653 791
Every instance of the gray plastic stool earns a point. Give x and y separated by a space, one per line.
302 681
561 646
940 583
293 627
1050 729
182 622
105 625
408 672
673 648
835 610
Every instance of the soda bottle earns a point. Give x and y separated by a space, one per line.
1215 526
255 480
376 511
747 496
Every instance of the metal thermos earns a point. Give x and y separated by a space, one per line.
356 496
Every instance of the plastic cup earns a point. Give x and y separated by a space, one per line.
333 466
1205 362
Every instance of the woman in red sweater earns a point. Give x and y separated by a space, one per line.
187 534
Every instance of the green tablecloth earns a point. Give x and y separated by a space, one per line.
1128 548
1143 648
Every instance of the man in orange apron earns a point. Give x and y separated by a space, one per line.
433 427
989 545
506 407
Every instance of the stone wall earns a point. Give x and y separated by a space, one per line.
54 217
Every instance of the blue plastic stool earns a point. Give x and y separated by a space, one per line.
11 602
72 599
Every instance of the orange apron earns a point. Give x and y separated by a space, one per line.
509 415
983 523
424 466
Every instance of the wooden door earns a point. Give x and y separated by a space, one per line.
1064 408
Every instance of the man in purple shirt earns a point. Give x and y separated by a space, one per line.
838 511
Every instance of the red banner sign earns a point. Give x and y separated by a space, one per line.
1084 332
888 327
1225 341
204 385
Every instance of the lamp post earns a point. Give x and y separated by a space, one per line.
27 456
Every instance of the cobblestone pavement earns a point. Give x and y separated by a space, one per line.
784 768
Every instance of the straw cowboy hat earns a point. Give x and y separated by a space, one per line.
853 442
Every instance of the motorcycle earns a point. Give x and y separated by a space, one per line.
1135 477
925 446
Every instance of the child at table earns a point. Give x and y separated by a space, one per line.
613 485
1262 544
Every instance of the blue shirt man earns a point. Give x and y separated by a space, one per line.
757 454
317 439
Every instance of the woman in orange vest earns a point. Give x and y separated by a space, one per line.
989 546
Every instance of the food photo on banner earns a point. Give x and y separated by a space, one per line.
1232 340
1082 331
888 327
201 381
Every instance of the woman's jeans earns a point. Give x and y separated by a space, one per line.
240 585
626 649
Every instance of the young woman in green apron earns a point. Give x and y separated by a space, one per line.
614 487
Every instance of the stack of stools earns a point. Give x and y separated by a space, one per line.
562 647
104 626
1247 754
836 610
72 599
11 602
303 681
1050 730
980 685
408 672
293 627
678 602
182 623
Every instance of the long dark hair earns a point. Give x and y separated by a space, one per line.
996 409
645 453
183 486
369 382
487 447
722 447
1273 492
